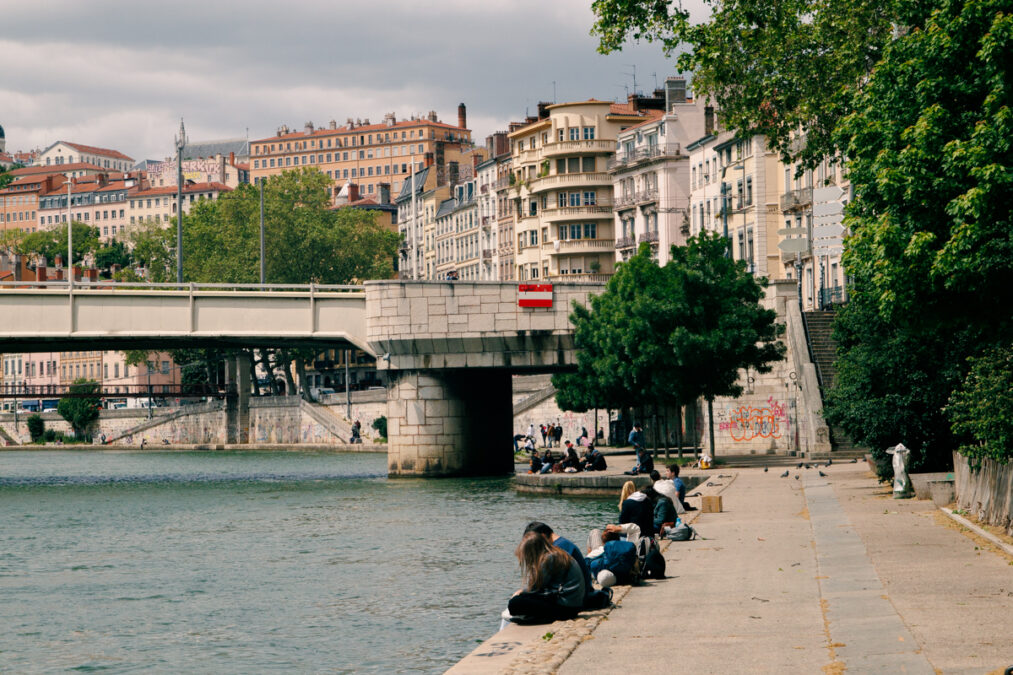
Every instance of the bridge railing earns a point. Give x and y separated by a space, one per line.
104 285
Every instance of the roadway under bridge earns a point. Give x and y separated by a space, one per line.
450 347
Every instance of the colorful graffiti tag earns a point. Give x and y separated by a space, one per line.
747 423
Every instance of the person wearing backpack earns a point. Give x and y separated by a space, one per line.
592 599
616 556
553 583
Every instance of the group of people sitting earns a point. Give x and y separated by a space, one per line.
559 578
569 462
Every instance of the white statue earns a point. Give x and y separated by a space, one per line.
901 481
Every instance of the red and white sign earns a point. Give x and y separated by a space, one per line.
534 295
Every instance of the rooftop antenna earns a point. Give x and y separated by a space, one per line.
634 66
655 80
626 88
554 91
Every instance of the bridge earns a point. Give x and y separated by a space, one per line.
450 347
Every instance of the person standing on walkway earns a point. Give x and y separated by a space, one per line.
636 437
545 432
557 434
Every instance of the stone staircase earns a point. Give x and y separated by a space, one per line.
324 416
823 348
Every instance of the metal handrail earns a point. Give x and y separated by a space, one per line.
104 284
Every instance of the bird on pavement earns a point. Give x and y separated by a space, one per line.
807 466
764 469
822 475
785 474
796 476
854 461
799 465
830 461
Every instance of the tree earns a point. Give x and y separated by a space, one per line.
153 247
772 68
982 408
931 250
113 253
80 412
667 335
50 243
36 426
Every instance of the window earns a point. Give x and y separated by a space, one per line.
590 198
534 237
574 134
590 230
588 133
574 198
560 135
165 367
587 164
749 190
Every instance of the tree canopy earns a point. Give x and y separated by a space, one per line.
668 335
50 243
80 412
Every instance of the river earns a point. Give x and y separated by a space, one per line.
254 562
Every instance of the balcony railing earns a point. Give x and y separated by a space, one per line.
484 188
650 195
625 242
639 155
831 296
796 199
486 221
501 183
577 147
651 237
576 212
569 180
486 254
583 277
576 245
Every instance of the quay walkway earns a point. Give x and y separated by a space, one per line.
807 575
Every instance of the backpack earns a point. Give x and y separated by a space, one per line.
681 532
652 563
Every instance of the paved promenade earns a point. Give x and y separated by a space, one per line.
814 575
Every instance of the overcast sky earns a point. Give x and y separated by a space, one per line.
121 74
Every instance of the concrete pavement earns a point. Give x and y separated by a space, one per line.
814 575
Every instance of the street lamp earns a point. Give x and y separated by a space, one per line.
180 144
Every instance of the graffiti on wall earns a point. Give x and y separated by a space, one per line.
747 423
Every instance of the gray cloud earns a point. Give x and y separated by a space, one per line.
120 75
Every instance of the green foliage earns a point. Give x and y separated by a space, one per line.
154 248
50 243
36 427
667 335
305 240
931 250
128 274
80 412
982 408
771 68
380 425
135 357
113 253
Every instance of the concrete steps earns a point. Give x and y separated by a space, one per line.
325 417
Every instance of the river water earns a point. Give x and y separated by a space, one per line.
254 562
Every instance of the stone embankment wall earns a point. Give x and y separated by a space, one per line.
779 411
987 493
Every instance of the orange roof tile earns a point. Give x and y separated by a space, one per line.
404 124
171 189
59 168
652 116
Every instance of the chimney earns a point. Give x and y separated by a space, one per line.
427 159
333 124
708 119
40 272
59 275
432 116
92 274
675 91
59 260
384 192
232 159
453 172
18 268
353 193
308 128
462 116
543 110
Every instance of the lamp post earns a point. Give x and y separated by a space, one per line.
263 268
180 144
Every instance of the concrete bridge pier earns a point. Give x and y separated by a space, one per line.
237 400
449 423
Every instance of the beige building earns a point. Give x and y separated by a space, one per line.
158 204
563 191
65 153
364 153
99 201
734 191
651 174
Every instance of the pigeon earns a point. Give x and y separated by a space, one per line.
807 467
830 461
785 474
796 476
799 465
822 475
854 461
764 469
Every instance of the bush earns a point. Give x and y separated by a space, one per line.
36 427
380 425
982 409
51 436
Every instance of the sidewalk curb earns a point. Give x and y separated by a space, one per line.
985 534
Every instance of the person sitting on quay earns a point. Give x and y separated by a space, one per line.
535 465
665 512
518 438
553 583
638 508
645 462
666 488
571 460
612 558
680 487
593 460
592 599
547 461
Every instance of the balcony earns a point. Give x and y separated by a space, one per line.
486 221
650 237
625 242
577 213
581 278
645 196
598 145
577 246
501 183
569 180
487 254
641 155
796 199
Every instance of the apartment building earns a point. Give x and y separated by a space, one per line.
734 191
651 174
495 212
98 201
562 190
64 153
19 201
158 204
364 153
225 161
458 239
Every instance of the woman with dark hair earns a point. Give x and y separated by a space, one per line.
553 583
